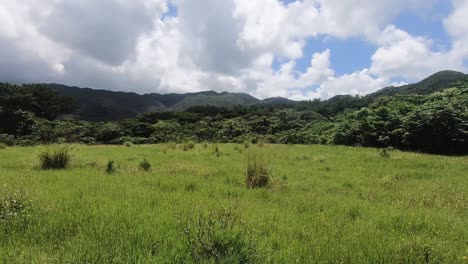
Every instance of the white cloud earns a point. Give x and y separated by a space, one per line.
403 55
232 45
358 83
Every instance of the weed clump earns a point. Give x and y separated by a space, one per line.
2 146
15 208
58 158
257 172
217 151
220 237
384 153
145 165
128 144
110 168
188 146
246 144
238 148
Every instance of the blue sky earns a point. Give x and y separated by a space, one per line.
297 49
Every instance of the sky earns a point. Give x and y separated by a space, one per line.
268 48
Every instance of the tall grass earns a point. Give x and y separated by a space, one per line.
257 172
220 237
411 208
55 158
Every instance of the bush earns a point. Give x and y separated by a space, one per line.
219 237
88 140
110 168
2 146
15 208
145 165
257 173
128 144
6 139
57 158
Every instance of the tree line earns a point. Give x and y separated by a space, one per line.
434 123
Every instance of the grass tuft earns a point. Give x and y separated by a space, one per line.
145 165
56 158
220 237
258 173
110 168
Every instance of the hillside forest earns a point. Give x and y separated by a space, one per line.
429 117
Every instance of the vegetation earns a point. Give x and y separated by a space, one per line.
257 173
110 168
424 117
55 158
145 165
329 204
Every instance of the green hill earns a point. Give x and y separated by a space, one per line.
101 105
436 82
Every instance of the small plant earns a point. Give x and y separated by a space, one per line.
261 144
238 148
128 144
172 145
220 237
246 144
217 151
110 168
188 146
384 153
192 187
145 165
2 146
257 173
58 158
15 208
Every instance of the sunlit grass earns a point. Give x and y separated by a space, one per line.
328 204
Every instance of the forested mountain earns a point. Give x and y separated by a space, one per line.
433 83
101 105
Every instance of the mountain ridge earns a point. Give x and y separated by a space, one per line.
105 105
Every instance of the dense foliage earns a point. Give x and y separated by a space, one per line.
434 123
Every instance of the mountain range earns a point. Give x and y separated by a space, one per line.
102 105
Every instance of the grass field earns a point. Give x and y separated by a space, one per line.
326 205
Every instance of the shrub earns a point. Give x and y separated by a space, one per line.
57 158
2 146
220 237
88 140
15 208
110 168
145 165
257 173
6 139
128 144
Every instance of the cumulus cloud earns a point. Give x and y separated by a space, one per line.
229 45
403 55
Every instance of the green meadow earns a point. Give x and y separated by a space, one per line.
325 204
